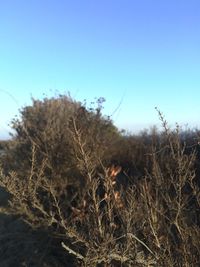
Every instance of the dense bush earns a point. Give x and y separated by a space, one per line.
105 198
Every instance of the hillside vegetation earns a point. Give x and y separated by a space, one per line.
76 191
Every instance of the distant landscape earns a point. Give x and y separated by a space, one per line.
77 191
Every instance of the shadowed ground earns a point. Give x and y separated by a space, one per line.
22 246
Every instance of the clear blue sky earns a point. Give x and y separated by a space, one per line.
143 52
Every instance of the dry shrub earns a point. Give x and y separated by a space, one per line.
71 193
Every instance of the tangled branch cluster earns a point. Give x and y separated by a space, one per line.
83 202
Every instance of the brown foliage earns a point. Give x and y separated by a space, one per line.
68 188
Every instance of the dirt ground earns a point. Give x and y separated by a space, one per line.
21 246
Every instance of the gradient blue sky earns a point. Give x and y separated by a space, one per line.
145 53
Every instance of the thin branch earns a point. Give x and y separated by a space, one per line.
71 251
